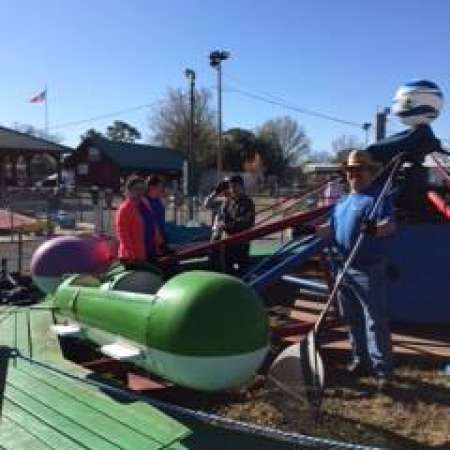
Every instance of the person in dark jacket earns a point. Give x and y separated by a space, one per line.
238 215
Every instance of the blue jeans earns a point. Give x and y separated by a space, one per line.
363 300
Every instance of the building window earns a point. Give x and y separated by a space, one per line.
21 170
82 169
94 154
7 168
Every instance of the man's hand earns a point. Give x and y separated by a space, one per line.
220 188
378 229
369 226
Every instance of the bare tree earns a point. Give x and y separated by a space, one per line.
287 135
320 156
170 124
343 145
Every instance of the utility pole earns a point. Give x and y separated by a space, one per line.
380 124
215 60
190 75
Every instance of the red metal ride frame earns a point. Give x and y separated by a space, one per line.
247 235
439 203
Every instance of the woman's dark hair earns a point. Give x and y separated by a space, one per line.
237 179
132 181
153 180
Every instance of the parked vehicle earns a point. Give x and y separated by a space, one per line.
64 219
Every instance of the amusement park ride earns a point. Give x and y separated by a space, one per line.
210 331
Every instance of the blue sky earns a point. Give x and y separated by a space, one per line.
343 58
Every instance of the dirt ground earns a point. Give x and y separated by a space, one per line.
414 414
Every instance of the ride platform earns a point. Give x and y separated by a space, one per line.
44 411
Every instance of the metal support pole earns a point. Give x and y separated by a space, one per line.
216 59
5 353
190 75
20 252
219 122
11 222
29 334
15 334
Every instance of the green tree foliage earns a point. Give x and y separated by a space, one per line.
169 125
122 132
238 146
283 143
320 156
91 133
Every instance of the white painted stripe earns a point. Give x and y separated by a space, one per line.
204 373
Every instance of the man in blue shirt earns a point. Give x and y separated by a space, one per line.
153 216
363 291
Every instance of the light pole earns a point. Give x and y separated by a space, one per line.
190 75
215 60
366 127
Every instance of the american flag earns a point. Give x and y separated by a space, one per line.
39 98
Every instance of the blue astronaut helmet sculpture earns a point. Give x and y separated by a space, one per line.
418 102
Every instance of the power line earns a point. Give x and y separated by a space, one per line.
103 116
263 97
295 108
278 101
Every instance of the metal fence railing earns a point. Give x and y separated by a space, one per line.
84 213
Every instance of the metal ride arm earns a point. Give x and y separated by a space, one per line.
297 201
247 235
439 203
5 354
442 171
304 251
435 199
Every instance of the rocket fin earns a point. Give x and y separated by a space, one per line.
120 351
71 330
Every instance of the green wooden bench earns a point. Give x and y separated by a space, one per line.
47 411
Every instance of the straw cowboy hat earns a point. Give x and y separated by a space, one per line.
360 158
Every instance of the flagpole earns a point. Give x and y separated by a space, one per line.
46 110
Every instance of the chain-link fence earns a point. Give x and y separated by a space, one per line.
30 216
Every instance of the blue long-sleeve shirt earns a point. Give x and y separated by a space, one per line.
153 215
347 217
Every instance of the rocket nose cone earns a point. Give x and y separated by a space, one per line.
211 314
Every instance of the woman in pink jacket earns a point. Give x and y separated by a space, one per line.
129 223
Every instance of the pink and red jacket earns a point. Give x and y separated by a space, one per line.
130 232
